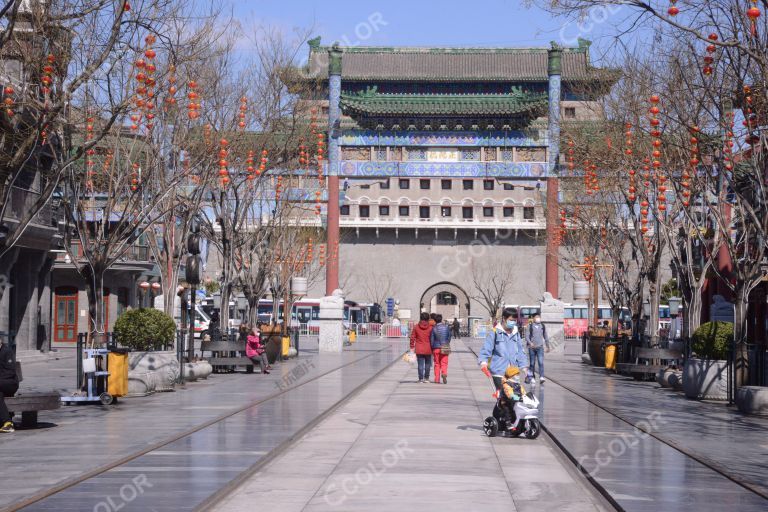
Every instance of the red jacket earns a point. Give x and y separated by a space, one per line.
420 338
254 347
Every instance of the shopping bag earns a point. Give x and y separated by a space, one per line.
409 357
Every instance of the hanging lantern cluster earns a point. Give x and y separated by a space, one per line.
563 225
47 78
135 177
569 158
644 203
223 154
8 101
170 98
753 13
145 93
263 162
589 268
303 155
193 107
632 190
241 114
673 10
320 156
249 166
89 163
728 142
321 256
278 187
685 184
709 59
335 255
207 135
656 133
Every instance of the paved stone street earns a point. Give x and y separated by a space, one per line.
401 445
217 428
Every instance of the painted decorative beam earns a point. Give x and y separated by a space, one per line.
447 169
451 139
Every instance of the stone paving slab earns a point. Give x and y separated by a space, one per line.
404 446
641 472
78 440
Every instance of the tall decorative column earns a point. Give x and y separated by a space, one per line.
334 157
554 70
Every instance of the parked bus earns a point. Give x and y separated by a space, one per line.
576 318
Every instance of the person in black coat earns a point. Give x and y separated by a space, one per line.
9 385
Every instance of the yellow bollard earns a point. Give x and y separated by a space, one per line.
286 345
352 336
610 357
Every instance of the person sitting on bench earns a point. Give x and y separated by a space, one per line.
9 385
255 351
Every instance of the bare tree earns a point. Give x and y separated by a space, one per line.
491 280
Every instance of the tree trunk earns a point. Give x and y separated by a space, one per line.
94 282
654 297
740 352
253 309
226 293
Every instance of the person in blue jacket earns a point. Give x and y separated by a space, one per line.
503 347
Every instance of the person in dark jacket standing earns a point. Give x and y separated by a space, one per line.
537 341
9 384
441 336
456 327
420 343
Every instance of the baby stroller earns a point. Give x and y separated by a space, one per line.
521 416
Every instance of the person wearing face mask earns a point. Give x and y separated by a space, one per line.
503 347
537 342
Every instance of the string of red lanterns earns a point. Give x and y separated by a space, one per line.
170 98
709 59
673 10
223 154
753 13
693 162
193 107
241 114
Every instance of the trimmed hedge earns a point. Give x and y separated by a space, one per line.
712 340
144 329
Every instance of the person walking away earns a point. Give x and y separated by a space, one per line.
255 351
456 328
538 343
9 385
420 343
503 347
441 348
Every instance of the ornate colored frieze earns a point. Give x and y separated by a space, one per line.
437 139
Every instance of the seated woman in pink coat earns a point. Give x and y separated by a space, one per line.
255 351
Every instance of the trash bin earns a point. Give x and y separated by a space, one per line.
610 357
117 366
352 336
286 345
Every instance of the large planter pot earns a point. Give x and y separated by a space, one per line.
752 400
595 350
204 368
663 377
676 380
163 362
141 383
705 379
273 343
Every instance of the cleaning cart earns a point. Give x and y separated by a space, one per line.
102 376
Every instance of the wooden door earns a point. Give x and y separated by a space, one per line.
65 312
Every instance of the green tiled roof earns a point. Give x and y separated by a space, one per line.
452 64
513 104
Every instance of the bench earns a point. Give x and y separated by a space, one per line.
648 362
28 404
227 354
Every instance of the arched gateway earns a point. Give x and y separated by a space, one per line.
447 299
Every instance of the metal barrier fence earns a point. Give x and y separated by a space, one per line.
387 330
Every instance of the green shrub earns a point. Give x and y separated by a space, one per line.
144 329
712 340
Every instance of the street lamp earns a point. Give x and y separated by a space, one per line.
144 287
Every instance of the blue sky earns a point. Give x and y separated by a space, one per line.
425 22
